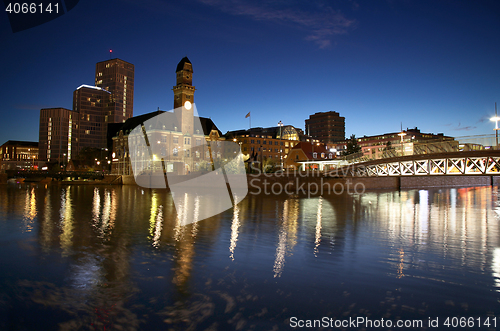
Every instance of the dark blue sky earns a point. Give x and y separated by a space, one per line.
431 64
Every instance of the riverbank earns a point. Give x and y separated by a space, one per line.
308 185
324 185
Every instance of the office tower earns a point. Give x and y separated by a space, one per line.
91 104
117 77
327 127
57 126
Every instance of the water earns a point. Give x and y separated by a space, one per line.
117 258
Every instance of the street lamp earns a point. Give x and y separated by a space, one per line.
280 124
496 119
402 134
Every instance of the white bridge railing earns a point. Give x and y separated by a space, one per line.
467 165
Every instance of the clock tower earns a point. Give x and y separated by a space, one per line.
184 90
184 96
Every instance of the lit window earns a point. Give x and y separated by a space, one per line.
175 152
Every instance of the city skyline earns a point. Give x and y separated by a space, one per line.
429 64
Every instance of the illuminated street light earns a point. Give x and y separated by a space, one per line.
402 134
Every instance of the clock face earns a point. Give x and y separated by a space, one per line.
187 105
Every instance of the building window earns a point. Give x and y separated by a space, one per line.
175 152
315 155
197 154
176 140
252 141
163 139
198 142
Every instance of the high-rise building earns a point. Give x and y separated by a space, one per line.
117 77
91 103
327 127
57 126
63 133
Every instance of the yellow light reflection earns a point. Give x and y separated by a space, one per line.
287 237
152 214
194 230
158 227
96 207
66 216
29 210
46 223
234 231
317 239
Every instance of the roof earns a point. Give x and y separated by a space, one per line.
206 123
180 66
309 149
92 87
21 143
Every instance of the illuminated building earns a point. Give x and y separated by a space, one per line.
19 155
309 155
268 143
179 143
117 77
91 103
327 127
57 126
412 141
63 133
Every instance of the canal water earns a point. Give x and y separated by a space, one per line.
118 258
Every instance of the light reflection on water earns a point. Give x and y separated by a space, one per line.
123 258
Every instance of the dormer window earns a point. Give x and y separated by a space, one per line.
315 155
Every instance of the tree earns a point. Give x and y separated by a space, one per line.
352 146
88 156
388 146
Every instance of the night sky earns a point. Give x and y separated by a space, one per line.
434 64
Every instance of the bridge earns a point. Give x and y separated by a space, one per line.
484 162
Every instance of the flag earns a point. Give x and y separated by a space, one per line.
248 115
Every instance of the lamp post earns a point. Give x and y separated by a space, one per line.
496 119
280 124
402 134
